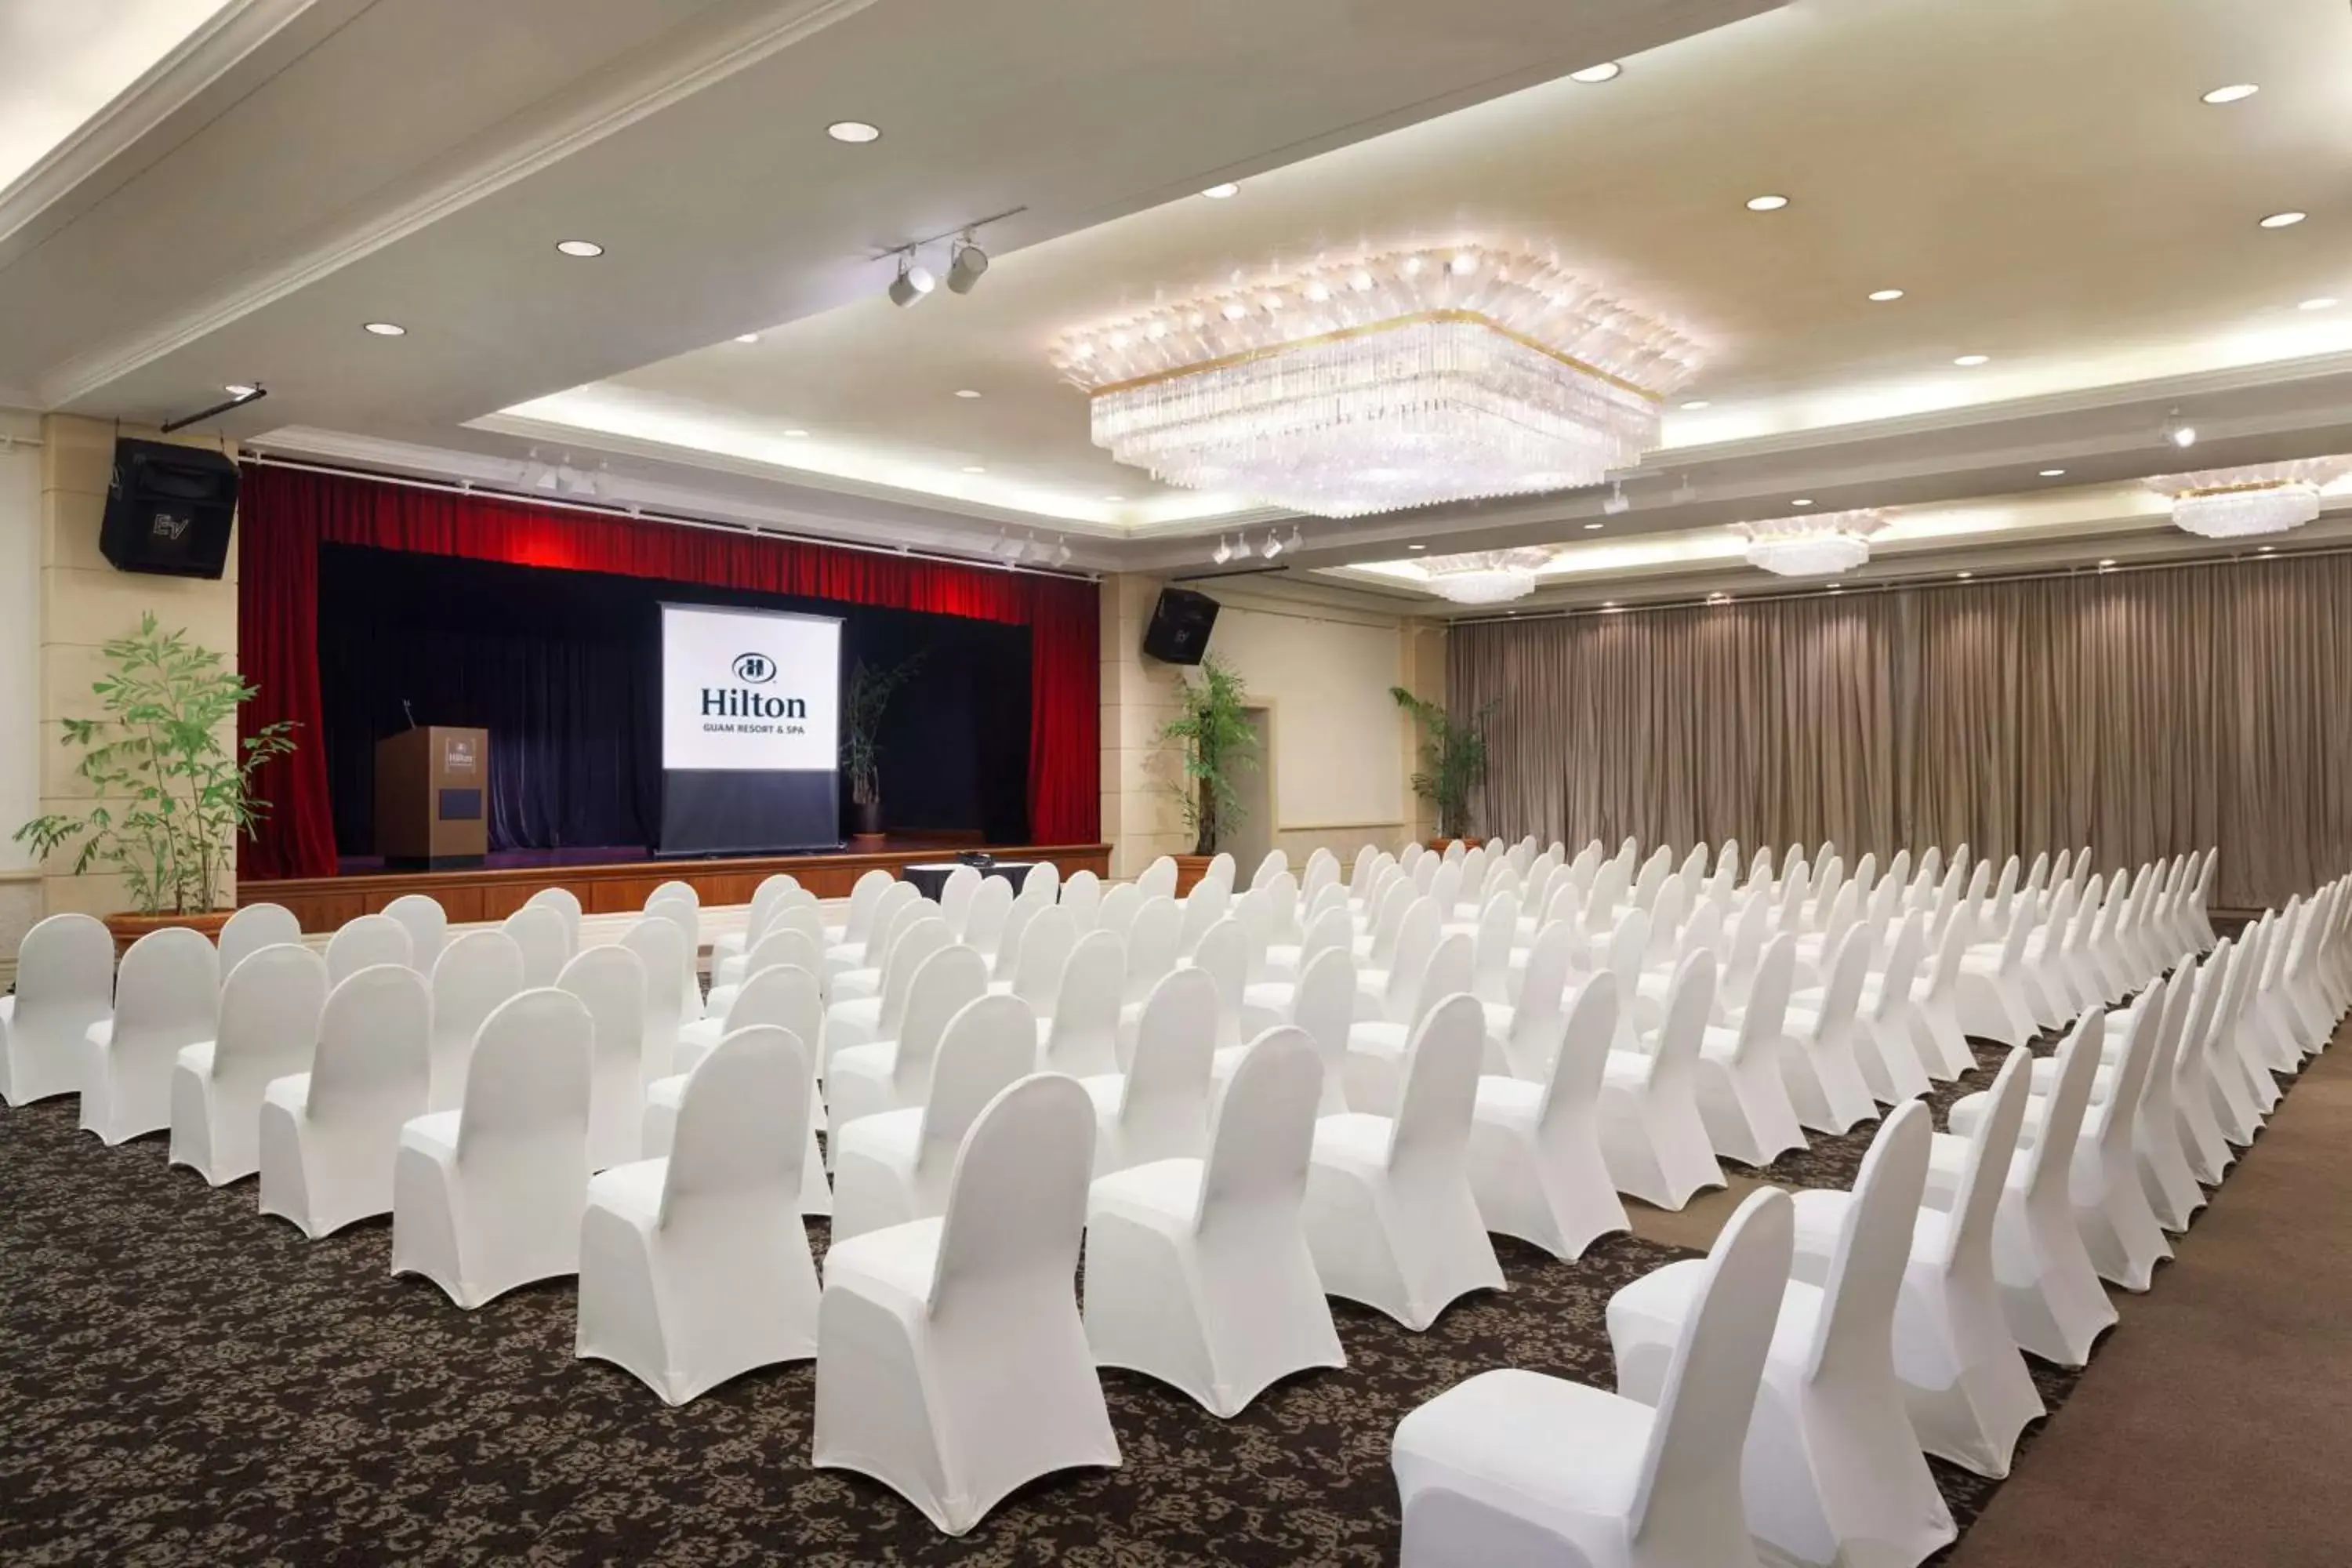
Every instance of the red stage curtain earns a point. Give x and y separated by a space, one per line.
285 514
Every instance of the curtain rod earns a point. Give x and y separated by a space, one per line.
1979 579
674 519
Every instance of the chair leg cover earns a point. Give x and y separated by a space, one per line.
125 1093
1942 1043
2050 1295
2164 1174
685 1309
1407 1249
1988 1009
478 1232
203 1138
1890 1067
1656 1144
1548 1186
1964 1384
1744 1104
956 1412
1222 1318
1825 1086
2118 1228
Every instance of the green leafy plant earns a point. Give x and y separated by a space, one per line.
871 687
1213 740
172 794
1453 755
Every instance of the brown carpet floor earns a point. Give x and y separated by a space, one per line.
2214 1426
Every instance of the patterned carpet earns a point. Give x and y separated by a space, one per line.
186 1383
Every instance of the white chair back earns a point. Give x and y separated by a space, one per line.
375 1056
1571 1079
865 900
1117 911
947 982
65 982
251 929
1324 1007
428 928
786 995
955 896
1709 1393
916 943
1855 1327
1017 1200
566 904
477 971
1260 1136
990 1044
1159 878
741 1130
527 1081
1163 1102
269 1008
538 931
1045 949
1274 863
1081 899
662 951
1152 946
1044 881
364 942
1082 1037
1441 1084
610 982
683 892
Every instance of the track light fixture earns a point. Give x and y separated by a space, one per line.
966 262
2178 431
1241 547
1297 537
913 281
1062 552
1616 500
1273 544
1222 552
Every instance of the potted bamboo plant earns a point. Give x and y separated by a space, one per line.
1212 742
871 687
1454 762
170 786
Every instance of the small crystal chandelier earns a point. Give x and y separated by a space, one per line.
1812 546
1485 576
1400 379
2232 503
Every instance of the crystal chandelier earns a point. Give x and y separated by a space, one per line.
1395 380
1485 576
1819 547
2231 503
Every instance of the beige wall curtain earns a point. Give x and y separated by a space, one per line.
2140 713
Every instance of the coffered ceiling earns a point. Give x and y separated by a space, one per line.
2045 184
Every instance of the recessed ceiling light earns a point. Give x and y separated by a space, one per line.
1697 403
1416 547
853 131
2284 220
2237 91
747 337
236 390
1766 204
796 435
1219 193
2052 473
973 468
580 247
1964 576
1608 604
1594 526
1114 498
1836 590
387 329
2324 303
1607 70
966 392
1802 500
2267 550
1884 296
1973 361
2107 561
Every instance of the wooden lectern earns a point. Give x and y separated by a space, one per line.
433 797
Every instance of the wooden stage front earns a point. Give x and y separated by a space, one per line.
323 903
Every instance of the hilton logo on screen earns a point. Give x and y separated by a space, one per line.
742 702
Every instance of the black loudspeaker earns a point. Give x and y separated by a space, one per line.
169 509
1179 631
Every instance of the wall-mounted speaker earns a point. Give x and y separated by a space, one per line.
1179 631
169 509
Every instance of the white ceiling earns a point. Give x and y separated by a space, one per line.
2042 181
62 61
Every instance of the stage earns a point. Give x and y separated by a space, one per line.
618 886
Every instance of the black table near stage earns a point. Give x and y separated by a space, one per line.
930 876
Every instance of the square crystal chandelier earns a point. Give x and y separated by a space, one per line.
1401 379
1812 546
2233 503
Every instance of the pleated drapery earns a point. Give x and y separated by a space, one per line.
2143 714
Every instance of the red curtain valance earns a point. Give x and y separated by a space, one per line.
285 514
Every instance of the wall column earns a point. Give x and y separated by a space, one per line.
85 603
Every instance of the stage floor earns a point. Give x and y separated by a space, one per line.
617 881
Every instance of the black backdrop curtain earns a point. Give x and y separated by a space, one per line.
564 670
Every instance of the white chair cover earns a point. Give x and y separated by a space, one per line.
330 1136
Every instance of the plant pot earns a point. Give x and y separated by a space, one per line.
1469 841
1190 870
866 819
127 929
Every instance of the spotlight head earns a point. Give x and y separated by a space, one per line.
1273 544
2178 431
1297 537
1616 500
1062 553
1242 548
911 284
1222 552
965 268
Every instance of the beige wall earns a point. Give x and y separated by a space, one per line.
84 604
20 672
1342 751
